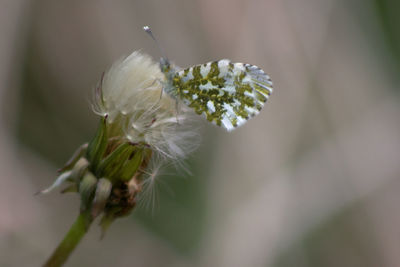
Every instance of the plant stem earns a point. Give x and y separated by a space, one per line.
70 241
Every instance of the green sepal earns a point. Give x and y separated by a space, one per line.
113 164
107 219
86 188
87 218
63 177
73 188
75 157
98 145
79 170
146 156
103 191
131 165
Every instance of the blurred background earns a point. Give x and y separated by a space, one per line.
314 180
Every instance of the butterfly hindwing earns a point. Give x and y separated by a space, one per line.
226 93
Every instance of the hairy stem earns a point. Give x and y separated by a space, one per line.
70 241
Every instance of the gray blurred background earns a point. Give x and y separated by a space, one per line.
314 180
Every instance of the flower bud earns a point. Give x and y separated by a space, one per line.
138 125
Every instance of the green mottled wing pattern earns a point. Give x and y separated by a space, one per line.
225 93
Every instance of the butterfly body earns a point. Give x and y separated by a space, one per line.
225 93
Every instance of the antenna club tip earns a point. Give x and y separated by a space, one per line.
146 28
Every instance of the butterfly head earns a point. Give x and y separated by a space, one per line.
165 65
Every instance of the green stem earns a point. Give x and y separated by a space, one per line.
70 241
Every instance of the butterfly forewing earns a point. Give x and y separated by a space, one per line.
226 93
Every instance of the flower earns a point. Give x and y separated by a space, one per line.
141 129
131 96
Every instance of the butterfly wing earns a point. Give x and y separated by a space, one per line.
227 94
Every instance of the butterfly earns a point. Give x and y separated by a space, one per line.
227 94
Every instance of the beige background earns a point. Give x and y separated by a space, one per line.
312 181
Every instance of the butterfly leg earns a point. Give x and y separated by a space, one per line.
161 93
177 110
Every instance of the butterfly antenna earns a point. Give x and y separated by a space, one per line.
149 32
